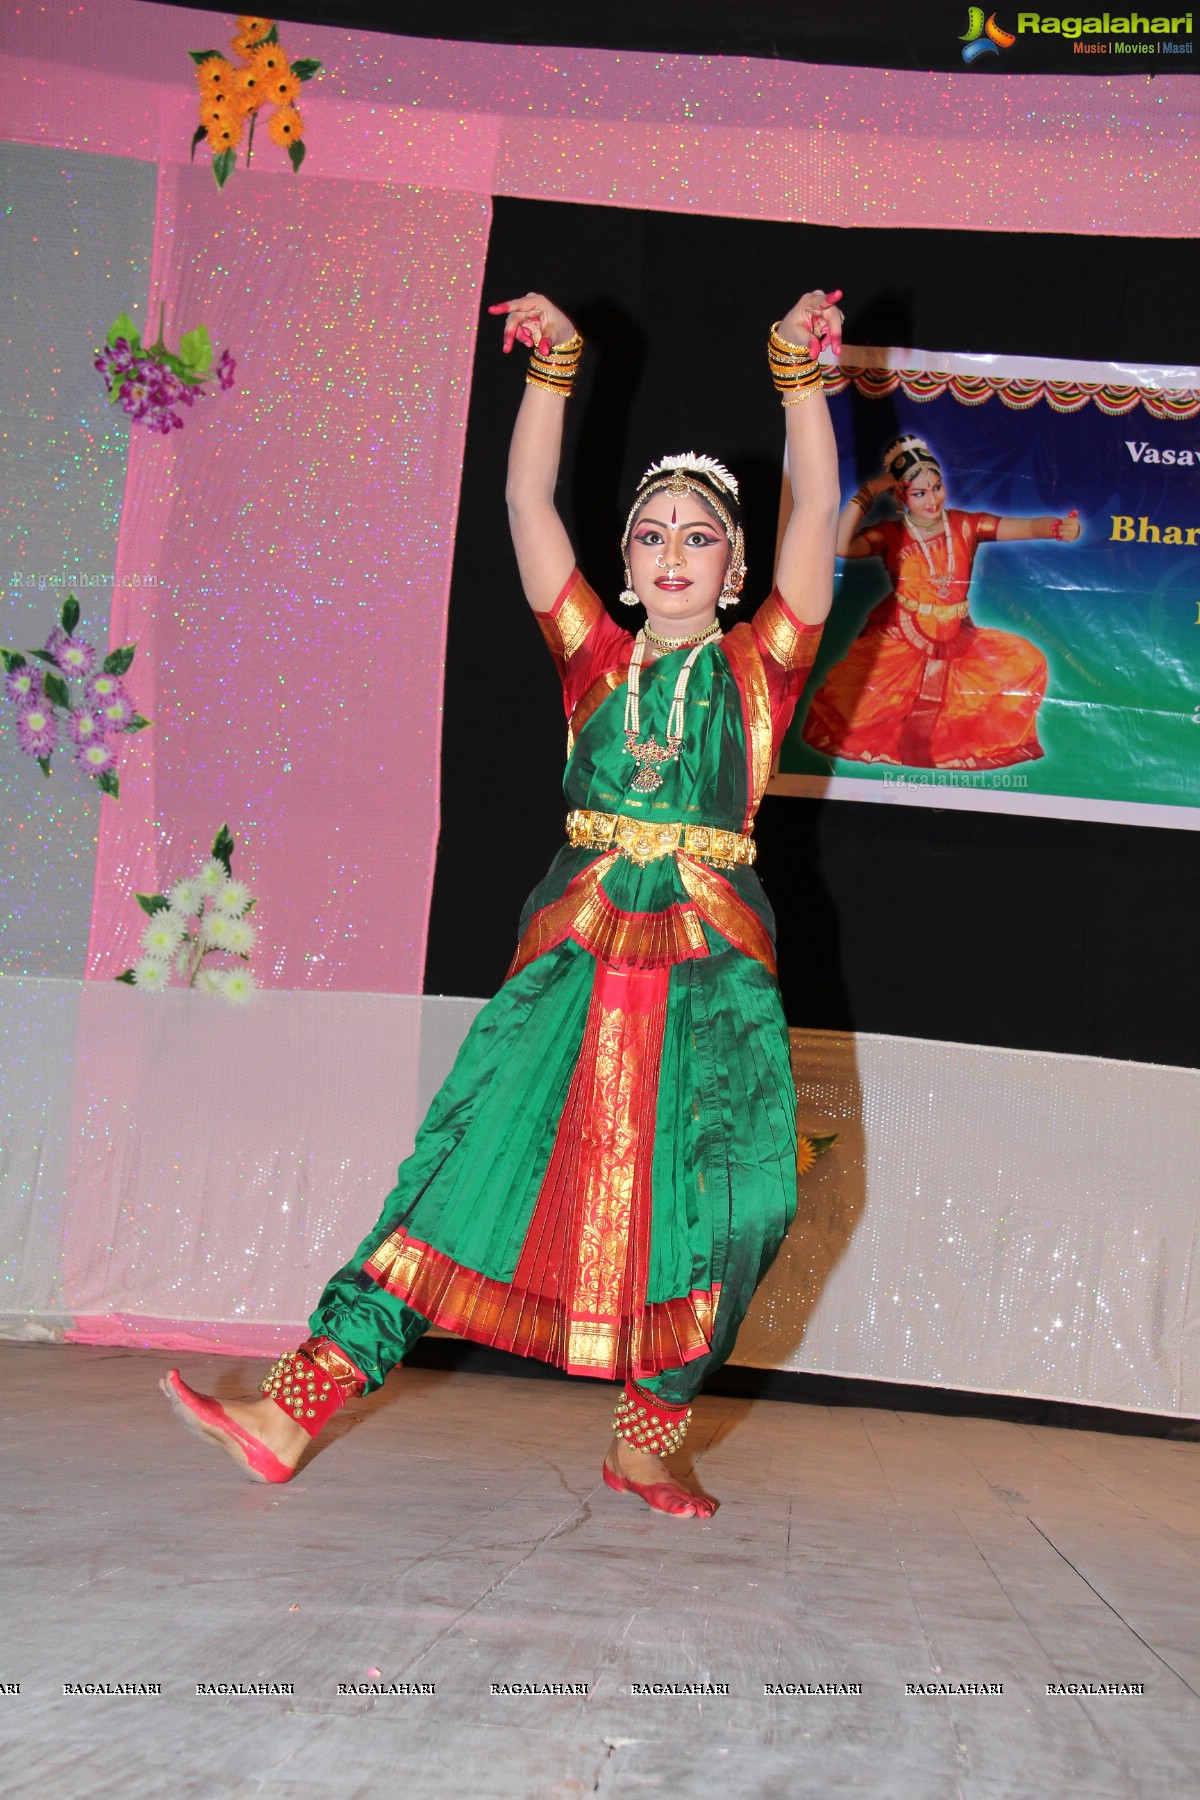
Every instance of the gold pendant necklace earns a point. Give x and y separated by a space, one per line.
649 755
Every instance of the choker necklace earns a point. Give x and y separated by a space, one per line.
650 756
941 583
679 643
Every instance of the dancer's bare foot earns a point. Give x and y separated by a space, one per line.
643 1473
256 1433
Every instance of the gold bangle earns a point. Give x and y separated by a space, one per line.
796 374
555 369
805 393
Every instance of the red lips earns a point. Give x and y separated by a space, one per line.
672 584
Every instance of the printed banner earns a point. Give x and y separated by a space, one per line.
1016 617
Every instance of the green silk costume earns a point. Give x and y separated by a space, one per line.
609 1169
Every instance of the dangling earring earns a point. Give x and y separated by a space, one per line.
735 574
627 596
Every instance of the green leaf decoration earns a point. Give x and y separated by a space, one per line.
137 723
70 614
197 136
118 661
223 847
272 37
12 659
152 903
56 690
823 1143
123 327
195 350
223 164
127 978
296 153
44 764
199 56
306 68
44 656
109 784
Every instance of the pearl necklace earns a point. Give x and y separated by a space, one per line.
942 583
649 755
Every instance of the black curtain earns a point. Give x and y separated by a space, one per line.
977 927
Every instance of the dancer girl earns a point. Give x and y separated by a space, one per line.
609 1169
923 685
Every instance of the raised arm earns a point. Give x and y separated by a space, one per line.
544 554
1066 530
804 574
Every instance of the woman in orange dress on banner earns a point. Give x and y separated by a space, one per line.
922 685
609 1169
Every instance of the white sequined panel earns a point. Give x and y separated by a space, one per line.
1005 1220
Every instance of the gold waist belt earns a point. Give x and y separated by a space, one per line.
955 609
645 840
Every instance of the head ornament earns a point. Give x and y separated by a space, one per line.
904 455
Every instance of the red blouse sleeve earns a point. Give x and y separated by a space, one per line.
788 649
585 642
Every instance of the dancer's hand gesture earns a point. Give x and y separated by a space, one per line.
815 320
535 321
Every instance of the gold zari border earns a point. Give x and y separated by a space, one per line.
664 1335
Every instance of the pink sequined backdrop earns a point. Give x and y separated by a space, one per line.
293 545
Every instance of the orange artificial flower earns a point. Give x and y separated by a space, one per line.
282 89
218 111
806 1155
250 88
271 59
225 132
215 76
252 27
286 126
243 47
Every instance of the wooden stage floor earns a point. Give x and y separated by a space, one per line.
451 1533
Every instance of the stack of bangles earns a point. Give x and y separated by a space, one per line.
864 499
796 376
555 369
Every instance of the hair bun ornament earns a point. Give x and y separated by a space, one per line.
689 463
909 441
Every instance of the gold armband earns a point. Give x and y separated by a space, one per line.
555 369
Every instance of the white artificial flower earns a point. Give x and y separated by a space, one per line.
152 974
211 877
232 898
208 981
237 985
239 936
162 936
185 898
182 959
215 930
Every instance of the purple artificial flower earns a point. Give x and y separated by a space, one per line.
116 713
37 730
101 689
115 359
137 393
83 727
96 758
57 636
75 657
24 686
225 368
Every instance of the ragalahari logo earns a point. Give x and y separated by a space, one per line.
983 37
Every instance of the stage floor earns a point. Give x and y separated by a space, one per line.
452 1534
